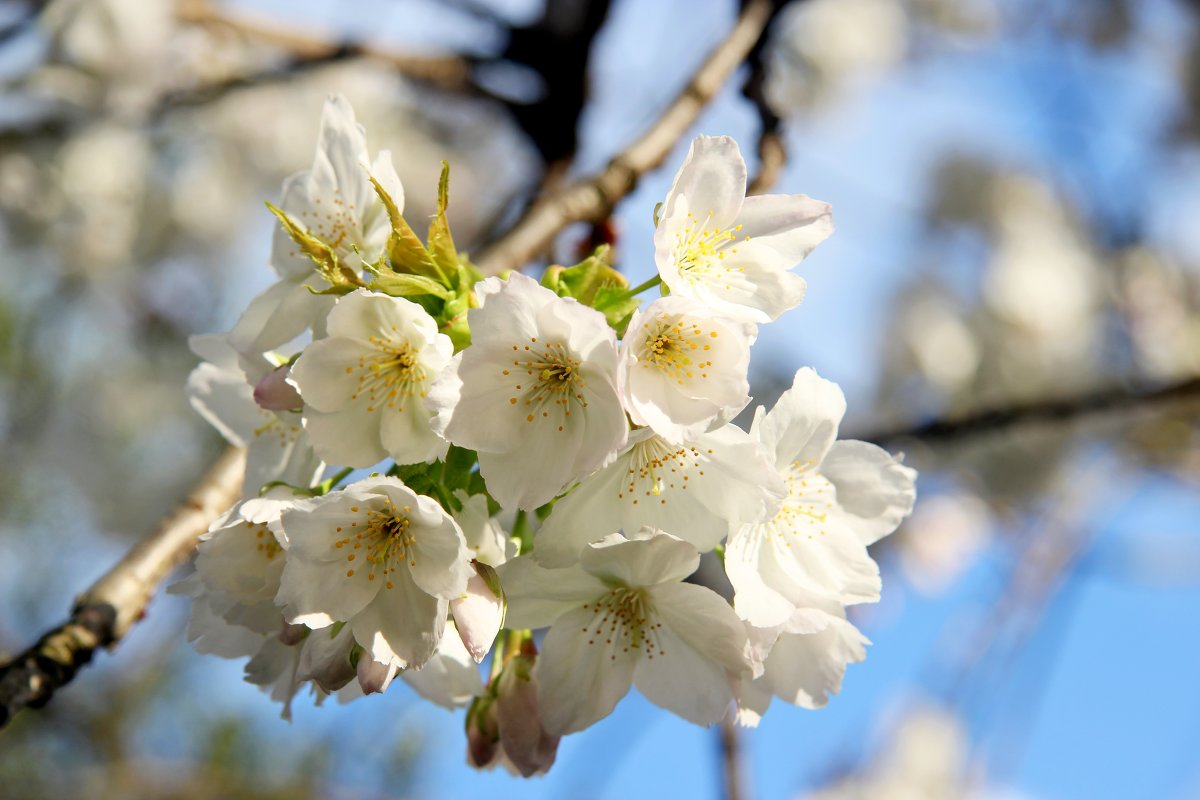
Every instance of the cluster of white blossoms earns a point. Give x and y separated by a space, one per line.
541 468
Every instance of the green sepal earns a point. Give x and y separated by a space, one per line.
405 250
338 289
584 280
594 282
321 253
617 306
441 244
403 284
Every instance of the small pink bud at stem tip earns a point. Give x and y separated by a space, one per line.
274 393
478 614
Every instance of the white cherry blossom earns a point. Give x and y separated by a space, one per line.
805 660
538 399
841 496
336 202
221 391
364 386
623 617
730 252
451 678
698 492
682 367
380 558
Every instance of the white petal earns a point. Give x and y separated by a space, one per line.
680 679
804 669
319 594
580 678
804 422
874 490
712 178
705 621
451 678
791 225
537 596
402 623
643 562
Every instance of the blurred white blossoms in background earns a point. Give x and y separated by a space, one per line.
547 455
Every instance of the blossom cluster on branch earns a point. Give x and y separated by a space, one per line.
511 456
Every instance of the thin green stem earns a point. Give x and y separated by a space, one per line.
641 287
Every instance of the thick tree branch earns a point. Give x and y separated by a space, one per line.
1005 417
592 199
104 613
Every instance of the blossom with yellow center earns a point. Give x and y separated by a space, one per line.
842 496
698 492
380 558
682 367
730 252
365 386
535 394
623 617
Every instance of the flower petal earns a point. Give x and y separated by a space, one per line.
580 679
875 491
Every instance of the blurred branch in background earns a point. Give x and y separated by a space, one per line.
594 198
1057 410
104 613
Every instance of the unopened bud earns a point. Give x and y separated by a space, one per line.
374 677
291 634
274 393
526 744
325 659
483 736
479 613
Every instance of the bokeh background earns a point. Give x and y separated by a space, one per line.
1016 185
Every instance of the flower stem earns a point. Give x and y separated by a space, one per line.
641 287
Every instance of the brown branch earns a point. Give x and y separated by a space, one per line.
104 613
307 51
592 199
732 773
1006 417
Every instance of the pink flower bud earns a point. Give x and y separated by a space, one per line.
291 634
374 677
325 659
526 744
274 393
483 737
479 613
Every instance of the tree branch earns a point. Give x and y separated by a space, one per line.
592 199
732 774
1005 417
105 612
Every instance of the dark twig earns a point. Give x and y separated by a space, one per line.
1059 410
594 198
731 759
104 613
